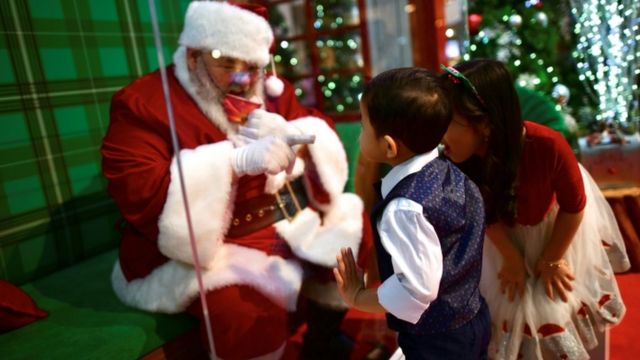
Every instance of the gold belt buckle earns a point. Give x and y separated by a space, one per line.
283 206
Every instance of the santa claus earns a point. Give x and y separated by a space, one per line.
268 213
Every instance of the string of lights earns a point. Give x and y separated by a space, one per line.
607 55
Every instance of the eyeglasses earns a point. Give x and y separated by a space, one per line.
254 71
234 71
241 77
457 77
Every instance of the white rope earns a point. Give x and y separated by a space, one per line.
176 151
273 67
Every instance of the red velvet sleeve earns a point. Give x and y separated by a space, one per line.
567 179
136 160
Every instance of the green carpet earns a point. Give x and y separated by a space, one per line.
86 320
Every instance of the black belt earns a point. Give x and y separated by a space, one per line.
261 211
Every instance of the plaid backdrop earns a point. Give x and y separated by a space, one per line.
60 63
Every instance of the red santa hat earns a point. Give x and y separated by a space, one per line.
238 31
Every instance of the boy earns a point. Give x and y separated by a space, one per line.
429 225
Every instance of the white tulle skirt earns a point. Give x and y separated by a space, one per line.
536 327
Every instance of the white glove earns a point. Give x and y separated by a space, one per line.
270 155
261 123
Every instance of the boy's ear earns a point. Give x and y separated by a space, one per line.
392 147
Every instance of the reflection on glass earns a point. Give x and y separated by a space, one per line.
332 14
305 92
340 51
331 76
292 58
288 19
457 31
341 93
389 36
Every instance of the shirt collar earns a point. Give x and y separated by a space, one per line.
408 167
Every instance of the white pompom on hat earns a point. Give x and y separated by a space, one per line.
274 86
236 31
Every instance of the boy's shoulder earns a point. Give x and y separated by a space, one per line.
442 177
431 176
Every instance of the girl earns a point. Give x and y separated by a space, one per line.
549 228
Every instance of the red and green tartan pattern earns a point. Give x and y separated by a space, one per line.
60 63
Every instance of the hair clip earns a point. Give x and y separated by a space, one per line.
453 79
457 77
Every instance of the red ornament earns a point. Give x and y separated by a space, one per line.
474 23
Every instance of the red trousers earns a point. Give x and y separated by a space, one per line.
245 323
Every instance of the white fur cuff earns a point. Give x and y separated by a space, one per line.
171 287
319 242
208 177
327 153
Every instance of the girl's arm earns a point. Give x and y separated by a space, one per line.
568 185
553 269
513 273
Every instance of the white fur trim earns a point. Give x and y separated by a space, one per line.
208 177
213 110
236 32
276 182
319 241
171 287
327 153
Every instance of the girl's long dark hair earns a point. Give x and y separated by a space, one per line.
495 173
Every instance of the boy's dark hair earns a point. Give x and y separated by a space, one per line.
410 105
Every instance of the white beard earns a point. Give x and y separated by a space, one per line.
206 93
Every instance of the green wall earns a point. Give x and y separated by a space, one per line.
60 63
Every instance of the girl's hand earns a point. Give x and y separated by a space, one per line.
556 274
512 276
348 277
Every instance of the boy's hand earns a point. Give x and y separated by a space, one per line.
348 276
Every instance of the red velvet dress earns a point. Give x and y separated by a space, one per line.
534 326
549 174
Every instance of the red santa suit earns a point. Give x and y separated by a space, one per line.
252 279
154 271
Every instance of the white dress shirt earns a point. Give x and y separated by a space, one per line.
414 247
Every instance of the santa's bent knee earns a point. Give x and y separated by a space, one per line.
245 323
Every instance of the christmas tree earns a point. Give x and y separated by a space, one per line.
584 48
533 38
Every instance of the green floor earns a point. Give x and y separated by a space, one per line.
86 320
